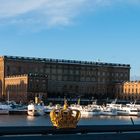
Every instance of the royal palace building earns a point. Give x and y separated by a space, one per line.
21 78
129 90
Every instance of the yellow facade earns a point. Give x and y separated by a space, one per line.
129 90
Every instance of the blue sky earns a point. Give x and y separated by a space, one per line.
90 30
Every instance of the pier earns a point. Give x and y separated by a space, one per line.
85 132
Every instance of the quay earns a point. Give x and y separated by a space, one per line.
85 132
17 112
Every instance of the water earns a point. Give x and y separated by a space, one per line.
24 120
109 120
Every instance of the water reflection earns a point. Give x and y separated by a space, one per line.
31 118
24 120
109 120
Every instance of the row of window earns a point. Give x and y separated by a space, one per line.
120 90
87 89
132 90
87 72
84 78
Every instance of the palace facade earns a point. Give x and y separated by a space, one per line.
23 88
129 90
59 78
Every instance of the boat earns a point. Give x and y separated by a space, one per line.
4 108
125 110
87 111
128 111
49 108
108 111
4 111
35 109
90 112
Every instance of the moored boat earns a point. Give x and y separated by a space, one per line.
35 109
4 108
109 111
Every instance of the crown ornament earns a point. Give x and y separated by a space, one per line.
65 117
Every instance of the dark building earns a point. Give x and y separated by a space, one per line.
69 78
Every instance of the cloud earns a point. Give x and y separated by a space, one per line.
48 12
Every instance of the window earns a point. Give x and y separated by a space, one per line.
47 70
59 77
59 71
136 90
19 69
8 70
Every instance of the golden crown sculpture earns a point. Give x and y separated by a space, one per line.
65 117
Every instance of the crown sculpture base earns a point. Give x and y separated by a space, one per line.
65 117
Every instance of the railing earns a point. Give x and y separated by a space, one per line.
88 132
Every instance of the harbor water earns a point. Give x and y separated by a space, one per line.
25 120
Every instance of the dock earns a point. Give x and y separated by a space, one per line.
17 112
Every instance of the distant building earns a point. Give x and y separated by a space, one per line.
129 90
23 88
69 78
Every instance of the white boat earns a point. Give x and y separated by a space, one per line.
4 111
128 111
48 109
109 111
90 112
35 109
87 111
4 108
134 105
